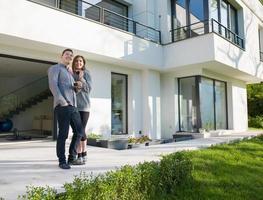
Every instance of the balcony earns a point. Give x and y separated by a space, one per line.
204 27
106 17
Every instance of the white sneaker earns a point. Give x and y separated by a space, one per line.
84 159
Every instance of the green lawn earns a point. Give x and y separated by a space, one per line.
255 129
232 171
224 172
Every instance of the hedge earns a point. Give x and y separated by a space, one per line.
145 181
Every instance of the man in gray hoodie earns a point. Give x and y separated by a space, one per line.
61 84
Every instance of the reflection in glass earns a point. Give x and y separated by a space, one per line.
197 15
188 105
224 14
207 103
220 104
118 103
214 10
196 11
233 18
180 13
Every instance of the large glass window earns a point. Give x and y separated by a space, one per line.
202 104
220 105
69 5
196 11
206 89
47 2
112 14
214 9
188 104
224 14
227 15
260 35
233 19
185 17
180 13
118 104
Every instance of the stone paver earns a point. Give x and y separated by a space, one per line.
35 162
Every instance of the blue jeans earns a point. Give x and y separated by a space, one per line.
68 115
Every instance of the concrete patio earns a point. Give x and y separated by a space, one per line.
35 163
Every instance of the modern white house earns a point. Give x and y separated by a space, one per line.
158 66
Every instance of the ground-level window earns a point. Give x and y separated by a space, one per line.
188 104
202 104
260 34
119 98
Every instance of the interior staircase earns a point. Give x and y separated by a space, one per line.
24 97
27 104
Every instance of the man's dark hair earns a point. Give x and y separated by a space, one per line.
66 50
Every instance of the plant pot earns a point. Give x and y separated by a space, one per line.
92 142
114 144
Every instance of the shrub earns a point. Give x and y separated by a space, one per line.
39 193
255 122
175 169
141 139
94 136
145 181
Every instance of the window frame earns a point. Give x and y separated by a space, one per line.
126 100
198 79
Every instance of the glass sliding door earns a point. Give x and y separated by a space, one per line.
187 18
180 13
202 104
224 14
196 11
220 105
206 89
196 17
214 10
188 104
118 104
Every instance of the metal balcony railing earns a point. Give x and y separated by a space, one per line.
105 16
192 30
227 34
204 27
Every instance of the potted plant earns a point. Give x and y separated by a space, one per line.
118 144
93 138
139 141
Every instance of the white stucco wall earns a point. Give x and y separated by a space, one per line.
67 30
169 106
151 101
239 109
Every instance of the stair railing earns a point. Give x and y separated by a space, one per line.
16 98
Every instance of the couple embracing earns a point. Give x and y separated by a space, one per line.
71 86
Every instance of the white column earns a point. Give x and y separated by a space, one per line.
238 107
151 104
169 106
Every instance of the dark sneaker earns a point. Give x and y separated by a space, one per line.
77 161
64 166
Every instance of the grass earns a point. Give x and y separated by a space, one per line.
233 171
223 172
255 129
